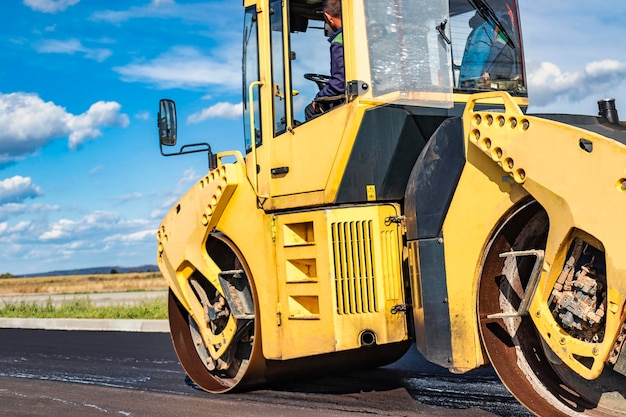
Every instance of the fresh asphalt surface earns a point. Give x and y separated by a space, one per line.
75 373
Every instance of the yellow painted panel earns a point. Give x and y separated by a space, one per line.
308 152
469 223
548 160
358 280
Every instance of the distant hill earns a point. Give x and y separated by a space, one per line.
96 270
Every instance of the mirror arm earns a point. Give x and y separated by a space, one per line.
186 149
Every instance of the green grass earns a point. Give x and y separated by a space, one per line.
83 308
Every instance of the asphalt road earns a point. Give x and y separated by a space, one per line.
78 373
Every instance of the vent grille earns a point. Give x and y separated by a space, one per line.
355 283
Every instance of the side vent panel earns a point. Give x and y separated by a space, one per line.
339 276
355 281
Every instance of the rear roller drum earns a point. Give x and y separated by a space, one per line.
524 363
220 368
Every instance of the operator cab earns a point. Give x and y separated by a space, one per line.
423 58
417 53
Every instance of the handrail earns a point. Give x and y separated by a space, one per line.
253 133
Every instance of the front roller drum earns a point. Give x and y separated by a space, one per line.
241 364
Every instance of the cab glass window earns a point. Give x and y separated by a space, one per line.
251 75
486 46
278 67
309 56
408 48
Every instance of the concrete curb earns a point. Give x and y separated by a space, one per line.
122 325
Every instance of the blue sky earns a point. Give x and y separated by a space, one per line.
82 183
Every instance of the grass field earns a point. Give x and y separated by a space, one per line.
81 308
80 286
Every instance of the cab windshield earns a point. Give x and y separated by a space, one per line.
422 51
413 52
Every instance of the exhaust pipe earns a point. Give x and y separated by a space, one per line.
368 338
606 109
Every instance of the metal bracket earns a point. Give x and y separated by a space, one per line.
399 308
531 287
237 293
356 88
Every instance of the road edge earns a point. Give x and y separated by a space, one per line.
121 325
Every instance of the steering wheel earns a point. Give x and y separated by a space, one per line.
319 79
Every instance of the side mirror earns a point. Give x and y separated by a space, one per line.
167 122
167 134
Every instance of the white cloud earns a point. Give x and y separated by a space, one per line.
86 125
96 169
75 242
21 228
71 47
217 14
188 177
98 225
547 83
170 197
159 9
11 210
127 197
50 6
220 110
17 189
185 67
29 123
142 235
142 115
